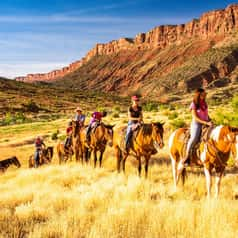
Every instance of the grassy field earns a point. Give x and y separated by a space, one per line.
75 200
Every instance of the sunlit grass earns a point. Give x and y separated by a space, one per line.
75 200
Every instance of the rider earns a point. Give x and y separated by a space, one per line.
39 145
69 132
200 117
135 117
95 118
79 119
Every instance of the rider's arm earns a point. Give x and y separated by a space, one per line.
194 115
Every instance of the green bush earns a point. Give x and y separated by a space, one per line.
11 119
115 115
31 106
117 109
178 123
226 118
54 135
150 107
172 115
234 103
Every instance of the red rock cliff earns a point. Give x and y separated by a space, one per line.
213 25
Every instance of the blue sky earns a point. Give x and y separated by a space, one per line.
42 35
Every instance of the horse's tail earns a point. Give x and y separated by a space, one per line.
184 175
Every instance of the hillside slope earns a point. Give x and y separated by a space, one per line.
166 59
23 97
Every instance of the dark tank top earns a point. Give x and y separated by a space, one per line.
134 113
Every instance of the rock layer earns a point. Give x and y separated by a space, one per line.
212 26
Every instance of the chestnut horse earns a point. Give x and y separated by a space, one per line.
149 137
99 137
62 155
46 156
214 154
78 147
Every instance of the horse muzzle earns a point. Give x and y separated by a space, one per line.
110 143
158 146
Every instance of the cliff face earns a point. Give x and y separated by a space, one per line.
212 26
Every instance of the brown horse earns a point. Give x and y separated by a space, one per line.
99 137
214 154
149 137
62 154
4 164
45 157
77 140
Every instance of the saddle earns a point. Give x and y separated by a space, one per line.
194 153
95 125
135 130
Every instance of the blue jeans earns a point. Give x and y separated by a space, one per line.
37 157
195 133
129 133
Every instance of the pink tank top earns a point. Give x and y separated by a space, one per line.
201 112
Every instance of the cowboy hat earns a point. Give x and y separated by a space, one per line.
78 109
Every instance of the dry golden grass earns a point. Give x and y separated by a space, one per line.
76 200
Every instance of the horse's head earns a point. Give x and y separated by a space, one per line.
109 134
16 162
157 134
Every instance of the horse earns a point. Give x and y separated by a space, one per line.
45 157
147 141
213 154
77 138
4 164
62 154
100 135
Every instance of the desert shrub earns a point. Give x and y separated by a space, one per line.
115 115
54 135
172 115
234 103
11 119
117 109
31 106
177 123
150 107
226 118
163 106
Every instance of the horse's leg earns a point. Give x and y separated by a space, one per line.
124 163
207 172
218 182
174 170
95 157
147 159
139 165
119 157
100 158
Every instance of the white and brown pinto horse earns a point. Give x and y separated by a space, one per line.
214 154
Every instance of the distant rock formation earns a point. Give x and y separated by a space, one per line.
213 25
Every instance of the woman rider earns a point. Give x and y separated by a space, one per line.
135 116
200 117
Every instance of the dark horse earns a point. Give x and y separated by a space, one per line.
148 138
46 156
4 164
100 135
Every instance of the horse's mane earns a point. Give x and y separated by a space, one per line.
146 129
